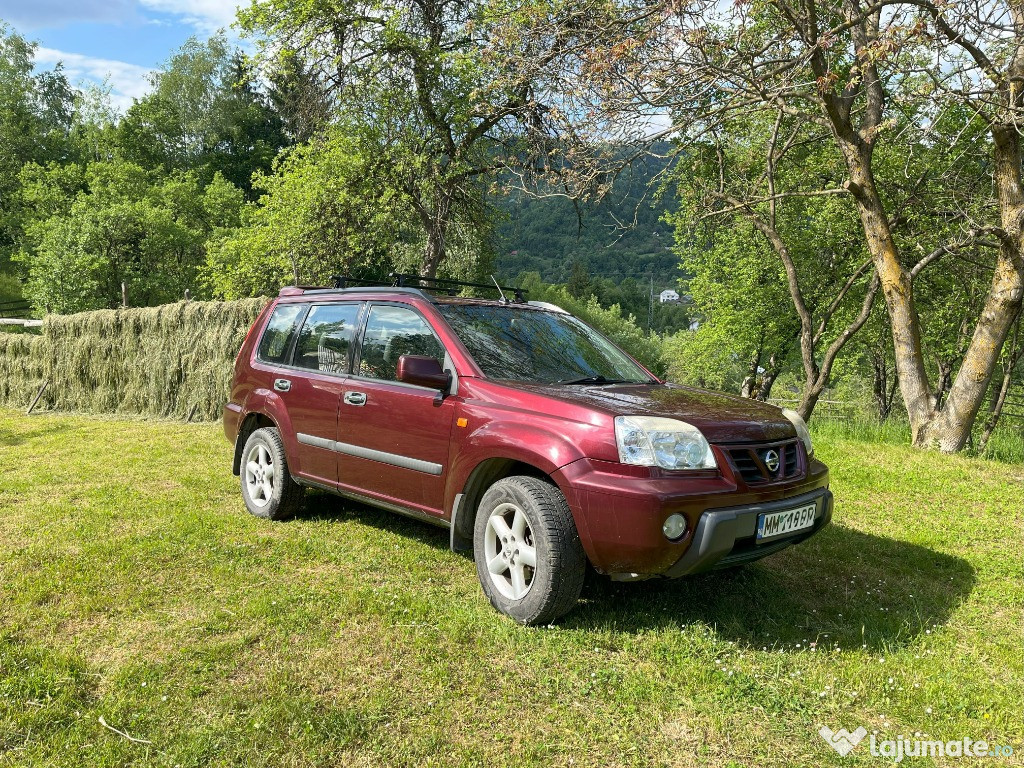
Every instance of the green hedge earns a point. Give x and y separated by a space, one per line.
154 361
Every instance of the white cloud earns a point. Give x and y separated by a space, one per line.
207 16
127 81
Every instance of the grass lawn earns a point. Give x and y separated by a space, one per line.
135 588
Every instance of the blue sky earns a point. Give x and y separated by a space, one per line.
122 40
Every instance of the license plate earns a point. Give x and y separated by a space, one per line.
774 524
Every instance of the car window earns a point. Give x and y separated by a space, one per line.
509 342
390 333
325 337
278 335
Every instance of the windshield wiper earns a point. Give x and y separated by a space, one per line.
595 380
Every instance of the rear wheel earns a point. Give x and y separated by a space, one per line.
267 486
528 554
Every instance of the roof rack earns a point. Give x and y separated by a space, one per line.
438 284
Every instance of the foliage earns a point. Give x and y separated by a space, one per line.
739 294
124 225
35 121
329 208
204 114
778 281
426 88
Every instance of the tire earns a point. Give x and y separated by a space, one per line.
519 520
267 486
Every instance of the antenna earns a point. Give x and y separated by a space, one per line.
499 289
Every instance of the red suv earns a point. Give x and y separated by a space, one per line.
540 444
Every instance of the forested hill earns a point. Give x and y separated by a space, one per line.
548 236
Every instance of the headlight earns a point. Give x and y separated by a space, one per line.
801 429
667 443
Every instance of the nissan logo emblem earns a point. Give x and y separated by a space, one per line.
771 460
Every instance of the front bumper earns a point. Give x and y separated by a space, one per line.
619 512
727 537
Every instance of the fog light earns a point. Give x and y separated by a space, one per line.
674 527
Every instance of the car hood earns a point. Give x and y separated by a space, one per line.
720 417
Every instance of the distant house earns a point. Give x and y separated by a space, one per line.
668 296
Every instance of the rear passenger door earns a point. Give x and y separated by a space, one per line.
393 437
311 384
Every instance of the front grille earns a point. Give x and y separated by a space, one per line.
755 464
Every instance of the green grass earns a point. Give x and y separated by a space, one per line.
1006 443
134 587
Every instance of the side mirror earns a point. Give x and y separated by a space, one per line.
423 371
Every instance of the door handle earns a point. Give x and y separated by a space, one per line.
355 398
282 385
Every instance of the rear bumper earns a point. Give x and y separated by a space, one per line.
727 537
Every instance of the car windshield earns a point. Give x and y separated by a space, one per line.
521 344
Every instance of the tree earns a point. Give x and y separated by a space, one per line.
35 120
332 207
113 222
205 114
869 77
746 329
728 185
423 79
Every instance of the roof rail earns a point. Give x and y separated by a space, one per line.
436 284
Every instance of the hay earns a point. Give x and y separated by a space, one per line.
22 368
154 361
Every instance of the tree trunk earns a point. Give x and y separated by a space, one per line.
750 380
880 384
952 427
945 382
884 384
809 399
436 225
896 288
997 409
771 373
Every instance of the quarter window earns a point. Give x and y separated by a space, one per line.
278 335
325 338
390 333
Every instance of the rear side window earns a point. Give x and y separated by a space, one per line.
390 333
278 335
325 338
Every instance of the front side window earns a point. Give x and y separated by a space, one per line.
325 337
390 333
278 335
519 344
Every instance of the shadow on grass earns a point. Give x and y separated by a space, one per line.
841 588
326 507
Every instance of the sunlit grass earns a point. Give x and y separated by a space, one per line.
1006 443
134 587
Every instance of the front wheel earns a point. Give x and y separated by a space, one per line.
528 554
